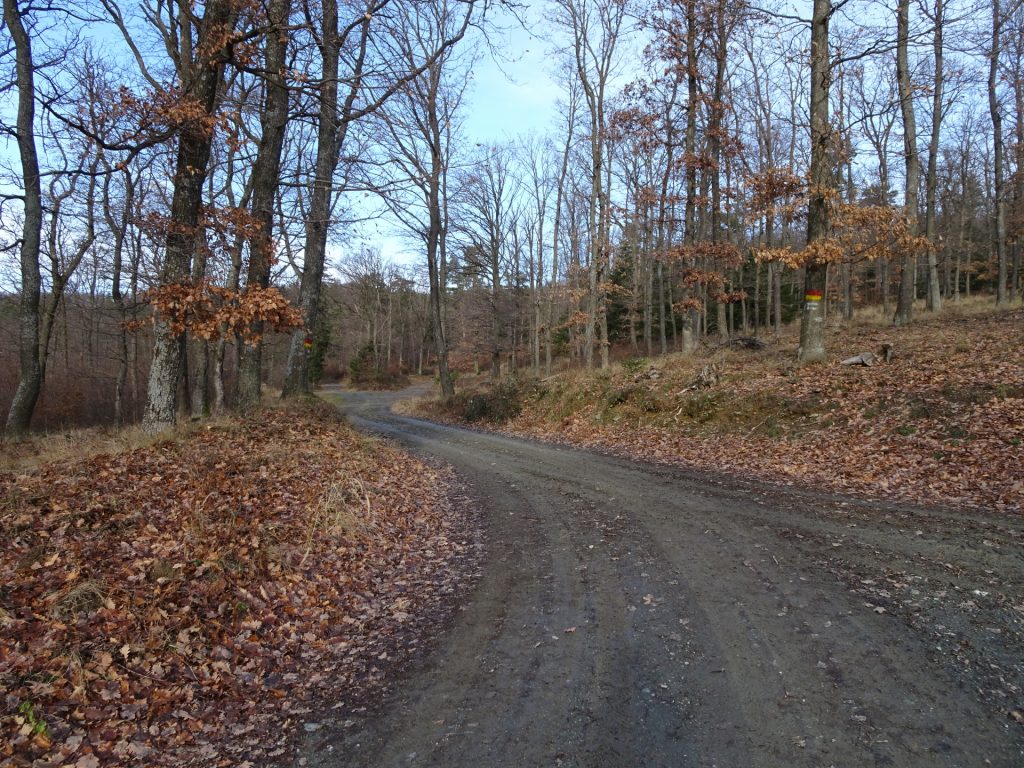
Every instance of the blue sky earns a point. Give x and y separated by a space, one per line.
517 95
507 99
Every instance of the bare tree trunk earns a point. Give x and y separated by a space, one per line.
118 229
193 157
538 321
605 265
934 296
648 316
220 349
744 312
436 256
329 139
777 298
715 128
721 321
596 247
812 321
689 333
956 280
1018 93
536 304
847 283
436 321
556 233
31 379
908 275
198 351
265 179
756 306
999 223
495 266
884 281
662 309
595 32
664 236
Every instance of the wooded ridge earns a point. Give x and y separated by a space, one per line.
201 197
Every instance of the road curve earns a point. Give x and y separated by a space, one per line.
635 615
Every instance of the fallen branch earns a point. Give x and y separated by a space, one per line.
864 358
868 359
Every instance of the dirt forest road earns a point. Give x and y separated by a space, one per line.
636 615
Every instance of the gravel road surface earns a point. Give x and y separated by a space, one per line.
636 615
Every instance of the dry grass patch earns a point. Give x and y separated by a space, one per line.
35 450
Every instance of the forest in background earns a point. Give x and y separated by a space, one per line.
185 188
188 192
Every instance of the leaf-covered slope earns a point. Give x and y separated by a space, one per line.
200 597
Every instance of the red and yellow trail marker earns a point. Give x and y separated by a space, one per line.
812 296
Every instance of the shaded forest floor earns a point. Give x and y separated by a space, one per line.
942 423
201 599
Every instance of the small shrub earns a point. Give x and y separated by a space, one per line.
367 372
700 408
33 720
648 402
501 404
633 365
80 600
363 367
616 397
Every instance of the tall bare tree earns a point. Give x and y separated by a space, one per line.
998 151
264 184
374 71
689 331
30 382
201 63
812 321
420 122
938 20
912 160
570 113
595 28
487 221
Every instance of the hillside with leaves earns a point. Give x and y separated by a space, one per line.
203 598
941 424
